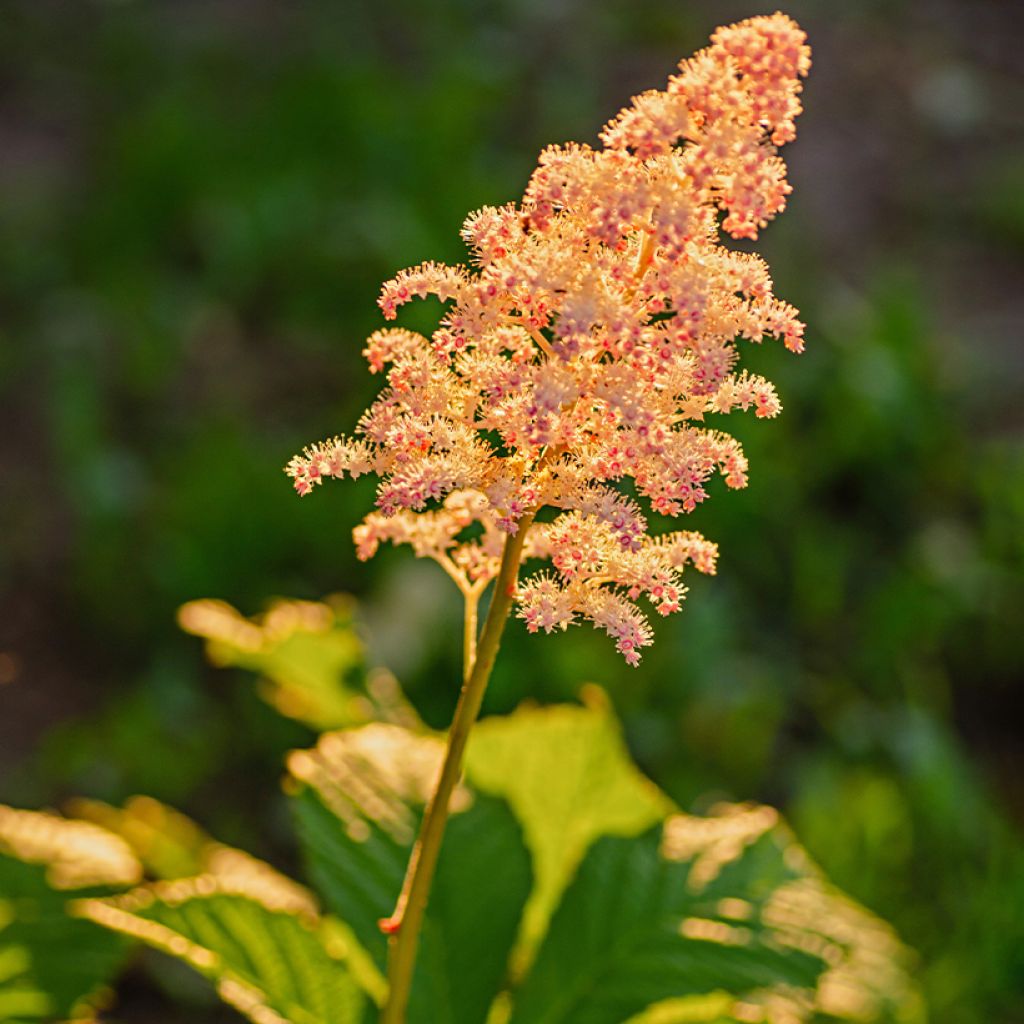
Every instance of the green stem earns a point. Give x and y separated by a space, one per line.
405 924
469 629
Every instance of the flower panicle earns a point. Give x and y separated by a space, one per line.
579 353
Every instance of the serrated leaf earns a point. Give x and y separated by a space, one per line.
308 655
170 846
265 957
168 843
360 797
53 966
658 928
568 777
868 978
482 883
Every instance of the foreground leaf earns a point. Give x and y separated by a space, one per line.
568 777
171 846
53 966
359 800
707 907
265 955
308 655
168 844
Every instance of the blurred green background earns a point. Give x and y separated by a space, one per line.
199 202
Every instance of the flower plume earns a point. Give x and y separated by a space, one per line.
583 350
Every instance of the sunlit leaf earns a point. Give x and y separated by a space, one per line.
53 966
172 846
309 658
260 946
358 805
662 927
169 844
568 777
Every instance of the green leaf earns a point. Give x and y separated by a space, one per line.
660 927
309 657
172 846
168 844
52 965
359 801
265 954
618 942
482 882
359 795
567 775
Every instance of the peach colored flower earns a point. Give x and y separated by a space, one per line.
589 350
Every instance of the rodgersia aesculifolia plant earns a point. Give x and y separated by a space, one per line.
592 343
575 378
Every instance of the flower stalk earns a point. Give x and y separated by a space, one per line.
579 368
406 923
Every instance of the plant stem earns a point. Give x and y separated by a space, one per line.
469 627
405 924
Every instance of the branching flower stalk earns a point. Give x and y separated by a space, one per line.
405 924
596 333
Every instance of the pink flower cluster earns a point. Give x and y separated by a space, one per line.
590 345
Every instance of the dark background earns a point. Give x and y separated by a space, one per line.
199 202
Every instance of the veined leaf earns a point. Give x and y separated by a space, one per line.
169 844
264 954
309 657
53 966
868 978
359 800
711 919
568 777
172 846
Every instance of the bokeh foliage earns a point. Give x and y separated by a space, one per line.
640 912
198 206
